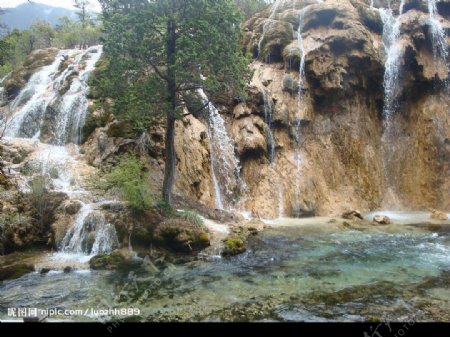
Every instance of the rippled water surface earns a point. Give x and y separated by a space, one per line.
289 273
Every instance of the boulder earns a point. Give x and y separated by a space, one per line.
181 236
382 219
106 261
353 215
15 272
72 207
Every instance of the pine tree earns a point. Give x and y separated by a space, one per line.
181 46
83 16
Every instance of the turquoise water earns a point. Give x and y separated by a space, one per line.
304 273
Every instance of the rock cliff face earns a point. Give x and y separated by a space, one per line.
314 136
348 109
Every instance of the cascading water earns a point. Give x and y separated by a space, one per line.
438 34
74 105
224 164
42 99
52 108
300 103
394 52
90 234
268 112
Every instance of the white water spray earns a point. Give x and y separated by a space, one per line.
224 164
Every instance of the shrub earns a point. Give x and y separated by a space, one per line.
131 180
192 217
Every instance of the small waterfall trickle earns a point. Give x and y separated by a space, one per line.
438 34
224 163
301 71
300 105
269 24
268 113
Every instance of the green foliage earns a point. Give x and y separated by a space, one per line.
233 246
131 180
192 217
161 51
38 186
165 208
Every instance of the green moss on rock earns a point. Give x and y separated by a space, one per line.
233 246
106 261
181 236
276 36
290 84
15 272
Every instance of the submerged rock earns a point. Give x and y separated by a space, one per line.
106 261
15 272
382 219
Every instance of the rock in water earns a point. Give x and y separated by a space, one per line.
382 219
353 215
438 215
233 246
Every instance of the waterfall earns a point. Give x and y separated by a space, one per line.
224 164
394 52
301 45
41 104
36 95
74 104
438 35
52 106
90 234
268 112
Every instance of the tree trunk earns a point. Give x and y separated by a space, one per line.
169 172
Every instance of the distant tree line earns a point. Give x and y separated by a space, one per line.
250 7
16 45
